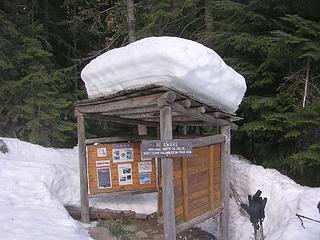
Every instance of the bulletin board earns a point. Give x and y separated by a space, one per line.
118 167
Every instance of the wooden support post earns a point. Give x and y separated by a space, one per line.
226 172
83 169
167 176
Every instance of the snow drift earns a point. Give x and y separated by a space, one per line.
285 199
35 183
167 61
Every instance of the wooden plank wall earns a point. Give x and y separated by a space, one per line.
197 183
135 186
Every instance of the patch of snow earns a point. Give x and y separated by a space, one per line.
285 199
141 203
167 61
35 183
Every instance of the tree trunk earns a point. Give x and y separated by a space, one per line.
208 15
142 129
131 20
306 84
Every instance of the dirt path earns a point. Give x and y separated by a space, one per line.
141 229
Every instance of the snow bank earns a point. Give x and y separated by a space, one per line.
35 183
285 199
167 61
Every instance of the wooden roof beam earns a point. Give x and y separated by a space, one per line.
116 119
133 111
128 103
201 116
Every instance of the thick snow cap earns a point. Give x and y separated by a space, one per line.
167 61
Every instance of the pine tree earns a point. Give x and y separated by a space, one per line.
33 107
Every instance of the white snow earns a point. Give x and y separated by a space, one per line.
285 199
167 61
35 183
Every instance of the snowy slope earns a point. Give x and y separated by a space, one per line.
36 182
285 199
167 61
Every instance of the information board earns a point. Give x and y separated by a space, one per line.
166 148
118 167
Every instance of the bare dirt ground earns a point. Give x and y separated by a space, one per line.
141 229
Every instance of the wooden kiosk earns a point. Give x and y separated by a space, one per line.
190 189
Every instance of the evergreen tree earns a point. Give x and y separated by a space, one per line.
33 107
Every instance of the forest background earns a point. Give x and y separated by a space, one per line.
274 44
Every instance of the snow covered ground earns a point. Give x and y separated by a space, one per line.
35 183
285 199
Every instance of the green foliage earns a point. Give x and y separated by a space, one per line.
305 163
33 107
117 228
275 49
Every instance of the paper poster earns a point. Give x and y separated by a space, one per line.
125 174
104 178
103 163
122 152
145 166
145 178
102 152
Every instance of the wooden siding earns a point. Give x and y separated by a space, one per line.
197 184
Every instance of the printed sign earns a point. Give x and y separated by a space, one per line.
166 148
103 163
122 152
125 174
104 178
144 158
102 152
145 166
145 178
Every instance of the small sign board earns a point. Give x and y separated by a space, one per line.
166 148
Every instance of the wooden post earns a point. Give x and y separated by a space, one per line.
167 177
83 169
225 168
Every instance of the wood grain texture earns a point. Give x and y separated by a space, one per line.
85 217
225 182
167 177
197 189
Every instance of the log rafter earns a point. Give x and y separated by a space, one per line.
143 108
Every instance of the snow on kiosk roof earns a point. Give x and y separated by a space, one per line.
171 62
